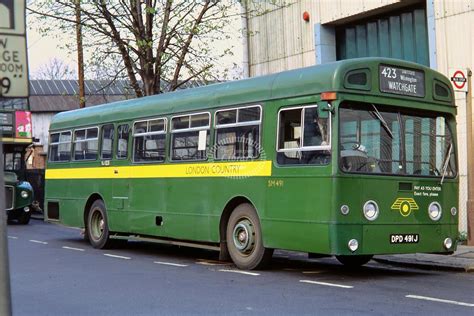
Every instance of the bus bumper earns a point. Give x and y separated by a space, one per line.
393 239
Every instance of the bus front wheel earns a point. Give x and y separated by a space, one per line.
244 239
354 261
97 228
24 218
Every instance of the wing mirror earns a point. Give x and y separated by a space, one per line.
324 108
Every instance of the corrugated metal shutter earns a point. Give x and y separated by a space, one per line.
402 36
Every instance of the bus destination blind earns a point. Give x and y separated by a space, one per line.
402 81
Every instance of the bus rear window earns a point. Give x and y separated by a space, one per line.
60 147
12 161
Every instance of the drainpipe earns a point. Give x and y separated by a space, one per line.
245 38
470 162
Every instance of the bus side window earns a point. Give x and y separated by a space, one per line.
86 144
303 137
107 141
123 132
60 147
190 136
238 133
149 139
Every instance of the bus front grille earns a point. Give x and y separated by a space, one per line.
9 194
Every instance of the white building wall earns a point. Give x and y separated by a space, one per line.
282 40
454 24
40 123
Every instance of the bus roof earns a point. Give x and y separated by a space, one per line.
299 82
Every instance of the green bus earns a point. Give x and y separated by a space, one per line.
351 158
16 137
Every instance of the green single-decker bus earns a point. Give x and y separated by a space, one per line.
349 159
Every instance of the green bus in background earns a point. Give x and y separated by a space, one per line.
15 138
352 158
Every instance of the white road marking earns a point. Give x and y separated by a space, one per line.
115 256
327 284
312 272
210 263
12 237
38 242
426 298
171 264
72 248
241 272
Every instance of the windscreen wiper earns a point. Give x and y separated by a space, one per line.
446 161
382 120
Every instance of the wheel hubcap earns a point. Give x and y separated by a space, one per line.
244 236
97 225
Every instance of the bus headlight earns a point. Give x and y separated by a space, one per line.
371 210
448 243
434 211
454 211
345 209
24 194
353 245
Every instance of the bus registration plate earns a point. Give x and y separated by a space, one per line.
404 238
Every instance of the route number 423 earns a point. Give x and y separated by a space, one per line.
5 85
389 72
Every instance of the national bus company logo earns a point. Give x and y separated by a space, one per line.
223 151
405 206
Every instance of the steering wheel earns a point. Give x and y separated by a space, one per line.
354 145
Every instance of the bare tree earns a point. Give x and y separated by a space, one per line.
159 45
54 69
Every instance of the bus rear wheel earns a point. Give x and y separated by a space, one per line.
97 227
354 261
244 239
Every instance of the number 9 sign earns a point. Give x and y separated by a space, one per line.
5 85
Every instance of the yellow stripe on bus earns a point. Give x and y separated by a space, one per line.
223 169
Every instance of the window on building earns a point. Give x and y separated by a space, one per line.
60 147
149 139
190 136
400 34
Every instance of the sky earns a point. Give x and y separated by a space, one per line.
42 48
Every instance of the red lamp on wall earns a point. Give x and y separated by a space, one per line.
306 16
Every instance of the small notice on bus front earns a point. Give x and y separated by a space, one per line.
402 81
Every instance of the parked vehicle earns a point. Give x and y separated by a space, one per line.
18 191
352 158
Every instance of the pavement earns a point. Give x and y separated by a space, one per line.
461 260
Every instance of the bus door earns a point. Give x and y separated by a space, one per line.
120 180
300 183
